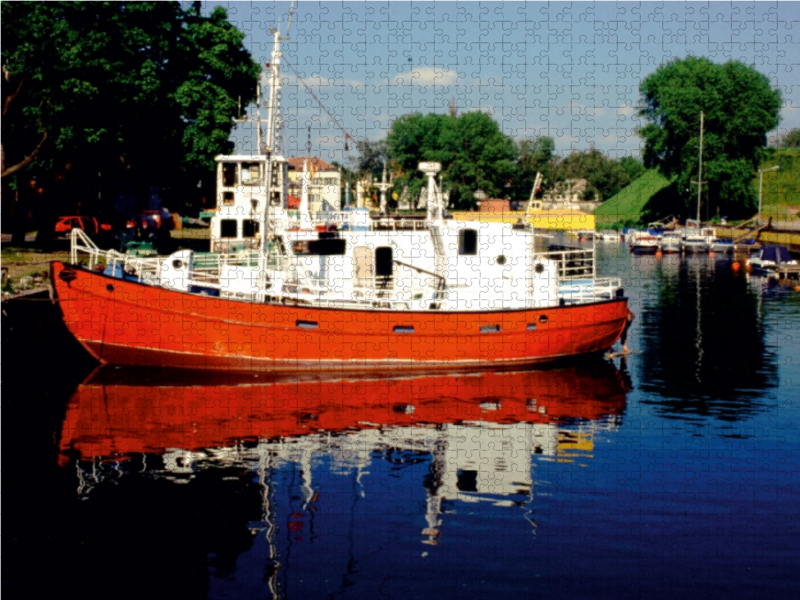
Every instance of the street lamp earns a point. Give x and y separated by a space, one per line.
761 185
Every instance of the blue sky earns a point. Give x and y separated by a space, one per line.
567 70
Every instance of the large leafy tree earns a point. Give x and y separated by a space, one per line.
137 90
740 107
535 156
473 151
604 176
790 139
371 158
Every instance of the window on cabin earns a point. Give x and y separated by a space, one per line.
384 266
468 242
323 247
249 228
227 198
251 174
227 228
228 174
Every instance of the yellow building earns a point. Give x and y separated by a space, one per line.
552 219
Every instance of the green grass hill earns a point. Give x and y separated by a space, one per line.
781 195
625 209
652 197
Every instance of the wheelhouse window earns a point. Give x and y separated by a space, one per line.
227 198
228 174
251 174
323 247
468 242
249 228
227 228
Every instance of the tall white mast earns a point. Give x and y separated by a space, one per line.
700 172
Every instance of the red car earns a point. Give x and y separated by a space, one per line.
89 225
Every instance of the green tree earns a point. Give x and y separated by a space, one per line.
371 157
740 107
605 177
473 151
535 156
790 139
137 90
633 167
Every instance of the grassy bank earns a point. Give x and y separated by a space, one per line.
652 197
626 208
25 268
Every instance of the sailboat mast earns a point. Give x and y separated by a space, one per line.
700 170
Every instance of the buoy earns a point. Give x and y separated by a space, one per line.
659 254
797 288
736 266
711 253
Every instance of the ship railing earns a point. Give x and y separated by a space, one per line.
571 263
214 261
581 291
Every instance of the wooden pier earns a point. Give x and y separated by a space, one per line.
787 272
785 234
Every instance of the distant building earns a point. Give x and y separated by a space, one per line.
325 183
565 194
495 205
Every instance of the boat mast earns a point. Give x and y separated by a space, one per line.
700 172
267 147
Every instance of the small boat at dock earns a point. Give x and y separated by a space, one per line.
608 235
644 243
671 242
770 260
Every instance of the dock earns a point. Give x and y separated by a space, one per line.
778 233
787 272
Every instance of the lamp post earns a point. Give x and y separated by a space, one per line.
761 187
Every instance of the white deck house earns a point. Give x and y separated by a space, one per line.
241 197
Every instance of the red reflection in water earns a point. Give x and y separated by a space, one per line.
119 412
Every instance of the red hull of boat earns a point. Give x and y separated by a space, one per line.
124 322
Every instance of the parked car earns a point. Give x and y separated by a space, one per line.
89 225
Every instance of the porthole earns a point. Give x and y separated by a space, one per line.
539 268
177 264
501 260
543 319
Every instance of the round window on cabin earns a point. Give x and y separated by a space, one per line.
539 268
177 264
543 319
501 260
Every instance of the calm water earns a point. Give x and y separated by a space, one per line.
675 474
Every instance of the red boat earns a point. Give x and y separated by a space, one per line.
126 322
337 292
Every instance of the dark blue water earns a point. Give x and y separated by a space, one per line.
672 474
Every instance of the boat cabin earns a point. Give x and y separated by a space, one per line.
238 217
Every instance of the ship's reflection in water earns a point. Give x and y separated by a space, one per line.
352 474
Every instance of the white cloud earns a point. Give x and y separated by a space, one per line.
427 76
